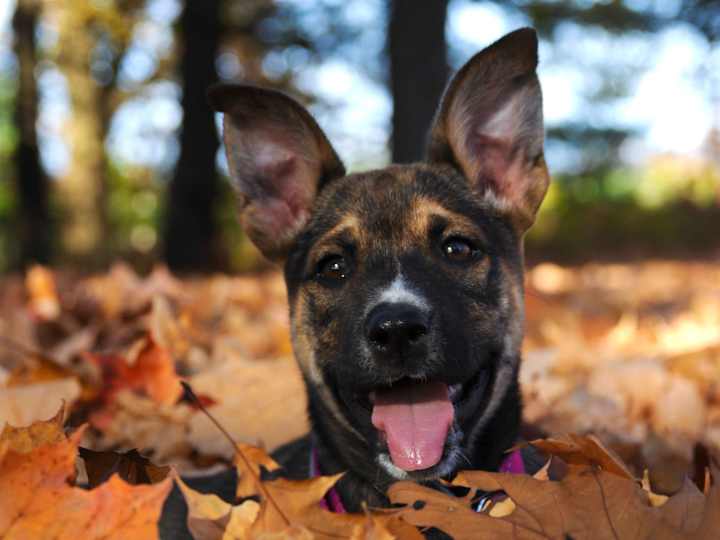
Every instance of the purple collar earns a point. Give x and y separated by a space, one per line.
513 464
331 501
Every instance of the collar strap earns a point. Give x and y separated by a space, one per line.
512 464
331 501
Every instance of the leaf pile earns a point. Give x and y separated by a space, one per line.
113 348
588 502
583 492
630 353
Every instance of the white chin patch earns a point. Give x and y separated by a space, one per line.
396 472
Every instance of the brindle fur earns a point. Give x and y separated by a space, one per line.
476 316
484 179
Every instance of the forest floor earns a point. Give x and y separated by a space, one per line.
628 352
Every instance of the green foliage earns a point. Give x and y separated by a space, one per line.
133 212
7 204
664 209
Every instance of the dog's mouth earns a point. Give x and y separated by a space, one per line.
414 418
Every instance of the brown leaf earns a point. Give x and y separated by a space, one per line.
430 508
589 504
583 451
130 466
684 510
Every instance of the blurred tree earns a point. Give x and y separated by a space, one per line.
418 72
191 236
92 40
31 183
252 42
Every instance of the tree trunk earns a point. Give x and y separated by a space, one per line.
191 232
31 183
83 189
418 72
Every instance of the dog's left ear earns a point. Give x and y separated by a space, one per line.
278 157
490 126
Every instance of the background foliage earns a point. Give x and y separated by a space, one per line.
108 150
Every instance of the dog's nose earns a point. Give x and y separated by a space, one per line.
397 331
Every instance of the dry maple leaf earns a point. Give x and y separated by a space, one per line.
24 439
130 466
581 451
287 508
211 518
593 504
38 500
152 373
255 458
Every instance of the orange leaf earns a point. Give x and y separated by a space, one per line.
40 286
25 439
37 499
152 373
247 480
209 517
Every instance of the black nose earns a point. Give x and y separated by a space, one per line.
397 331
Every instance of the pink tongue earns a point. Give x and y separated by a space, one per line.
415 418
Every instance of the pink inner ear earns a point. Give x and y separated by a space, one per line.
489 161
281 207
275 220
496 168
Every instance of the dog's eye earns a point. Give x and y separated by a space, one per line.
458 249
333 268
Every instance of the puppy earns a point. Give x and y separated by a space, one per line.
405 284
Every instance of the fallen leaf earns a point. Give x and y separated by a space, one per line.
576 450
40 286
255 401
211 518
152 373
256 458
130 466
25 439
593 504
37 499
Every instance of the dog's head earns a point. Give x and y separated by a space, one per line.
404 283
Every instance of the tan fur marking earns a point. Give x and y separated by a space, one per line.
304 351
307 361
349 223
424 209
514 300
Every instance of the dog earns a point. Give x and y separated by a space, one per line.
405 284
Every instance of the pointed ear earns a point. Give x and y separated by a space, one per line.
278 157
490 126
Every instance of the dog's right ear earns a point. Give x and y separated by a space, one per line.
278 157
